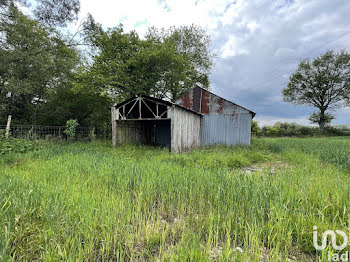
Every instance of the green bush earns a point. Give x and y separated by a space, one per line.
255 128
71 129
296 130
13 145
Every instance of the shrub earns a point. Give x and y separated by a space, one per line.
13 145
296 130
71 129
255 128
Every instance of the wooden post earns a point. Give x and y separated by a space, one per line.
114 127
8 126
140 108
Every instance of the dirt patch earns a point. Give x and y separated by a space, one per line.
215 253
267 166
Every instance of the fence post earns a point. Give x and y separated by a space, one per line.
114 127
8 126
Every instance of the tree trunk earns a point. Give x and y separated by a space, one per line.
322 122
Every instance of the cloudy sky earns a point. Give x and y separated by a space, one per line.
258 42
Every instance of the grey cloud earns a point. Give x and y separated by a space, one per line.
286 33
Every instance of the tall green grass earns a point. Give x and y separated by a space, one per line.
90 202
335 150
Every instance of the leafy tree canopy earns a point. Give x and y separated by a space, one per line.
164 64
34 61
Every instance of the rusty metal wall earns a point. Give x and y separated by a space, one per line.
226 129
185 129
205 102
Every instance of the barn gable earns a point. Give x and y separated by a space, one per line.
223 121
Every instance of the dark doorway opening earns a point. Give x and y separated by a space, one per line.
162 133
148 132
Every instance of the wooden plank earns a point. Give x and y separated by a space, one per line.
172 130
140 108
163 113
114 127
164 104
131 108
117 114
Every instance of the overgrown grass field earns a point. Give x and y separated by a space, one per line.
90 202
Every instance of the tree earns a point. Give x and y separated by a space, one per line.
34 60
193 43
49 12
255 129
323 83
66 103
161 65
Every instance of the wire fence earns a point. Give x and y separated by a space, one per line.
46 132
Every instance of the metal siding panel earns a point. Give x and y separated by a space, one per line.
226 129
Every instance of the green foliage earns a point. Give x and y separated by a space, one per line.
42 81
145 204
71 129
296 130
158 65
321 119
34 63
192 43
12 145
255 129
212 158
323 83
333 150
65 103
270 131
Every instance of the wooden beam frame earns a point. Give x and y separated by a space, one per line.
149 108
121 113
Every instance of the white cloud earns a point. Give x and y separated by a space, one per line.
233 47
138 15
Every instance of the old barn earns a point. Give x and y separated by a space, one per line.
197 118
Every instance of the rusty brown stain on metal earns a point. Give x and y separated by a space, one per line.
186 101
205 102
196 99
220 107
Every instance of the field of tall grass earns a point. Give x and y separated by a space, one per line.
90 202
335 150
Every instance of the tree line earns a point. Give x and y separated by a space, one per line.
285 129
48 76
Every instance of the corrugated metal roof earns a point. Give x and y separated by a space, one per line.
201 100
